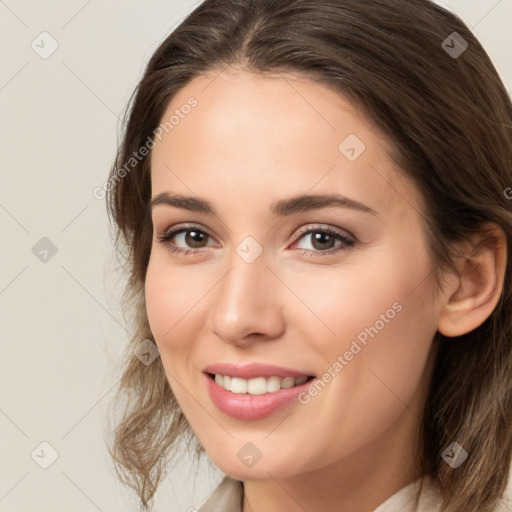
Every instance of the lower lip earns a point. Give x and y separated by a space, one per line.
244 406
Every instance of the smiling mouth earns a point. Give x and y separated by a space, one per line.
257 385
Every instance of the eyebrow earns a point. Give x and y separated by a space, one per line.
281 208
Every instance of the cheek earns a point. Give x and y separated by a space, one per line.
378 379
168 298
157 300
378 318
362 299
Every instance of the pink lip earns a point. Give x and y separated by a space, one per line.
252 407
253 370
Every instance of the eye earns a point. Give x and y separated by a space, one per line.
190 235
322 240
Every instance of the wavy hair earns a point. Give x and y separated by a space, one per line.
449 120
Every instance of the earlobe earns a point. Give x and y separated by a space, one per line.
478 287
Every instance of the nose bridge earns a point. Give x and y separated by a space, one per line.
248 272
245 301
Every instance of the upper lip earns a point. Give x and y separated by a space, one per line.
253 370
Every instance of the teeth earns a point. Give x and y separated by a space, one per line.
301 380
258 385
273 384
237 385
288 382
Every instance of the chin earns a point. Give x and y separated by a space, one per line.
261 470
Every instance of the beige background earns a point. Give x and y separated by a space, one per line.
61 328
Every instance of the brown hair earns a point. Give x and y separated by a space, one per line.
449 120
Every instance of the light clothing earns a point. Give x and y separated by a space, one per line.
419 496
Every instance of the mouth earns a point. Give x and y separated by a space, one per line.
258 385
255 390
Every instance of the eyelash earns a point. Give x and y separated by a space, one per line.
166 237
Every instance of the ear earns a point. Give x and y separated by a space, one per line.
475 291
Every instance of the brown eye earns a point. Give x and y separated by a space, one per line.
194 238
184 240
323 241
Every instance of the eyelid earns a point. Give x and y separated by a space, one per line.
325 227
306 229
348 239
179 228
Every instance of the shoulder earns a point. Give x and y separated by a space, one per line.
430 497
226 497
422 495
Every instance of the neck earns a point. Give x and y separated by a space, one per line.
358 483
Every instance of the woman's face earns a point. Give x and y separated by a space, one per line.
264 282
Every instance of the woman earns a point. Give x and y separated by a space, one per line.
369 374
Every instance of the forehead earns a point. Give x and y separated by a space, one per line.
274 135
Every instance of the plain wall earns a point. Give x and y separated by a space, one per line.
62 332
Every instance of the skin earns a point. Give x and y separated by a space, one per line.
250 141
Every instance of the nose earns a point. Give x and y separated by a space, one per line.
247 304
